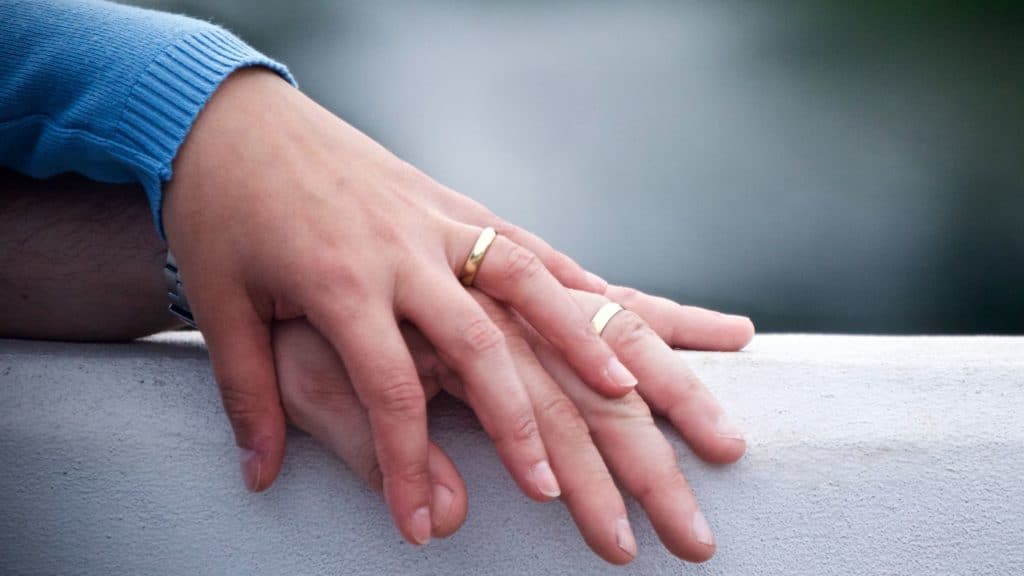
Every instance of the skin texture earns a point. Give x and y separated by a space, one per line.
280 210
70 232
592 438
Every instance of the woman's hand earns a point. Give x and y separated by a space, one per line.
571 418
280 210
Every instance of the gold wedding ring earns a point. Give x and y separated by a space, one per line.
604 315
476 256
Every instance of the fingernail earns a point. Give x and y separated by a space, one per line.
419 525
545 479
252 465
624 537
597 281
441 504
738 317
701 530
619 374
726 429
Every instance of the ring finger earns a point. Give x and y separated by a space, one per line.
641 459
668 385
516 276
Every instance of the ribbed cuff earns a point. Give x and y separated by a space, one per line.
166 100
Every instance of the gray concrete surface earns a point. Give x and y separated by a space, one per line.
867 456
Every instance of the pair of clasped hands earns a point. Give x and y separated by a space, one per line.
323 272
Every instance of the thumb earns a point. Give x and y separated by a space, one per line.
240 351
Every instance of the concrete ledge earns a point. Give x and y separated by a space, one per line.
867 456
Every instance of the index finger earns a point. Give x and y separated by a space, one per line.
243 364
383 374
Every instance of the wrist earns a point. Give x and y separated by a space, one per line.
212 155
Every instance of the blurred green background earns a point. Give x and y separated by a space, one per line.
820 166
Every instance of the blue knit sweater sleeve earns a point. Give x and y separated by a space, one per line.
107 90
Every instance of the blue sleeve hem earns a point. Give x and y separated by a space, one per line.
165 101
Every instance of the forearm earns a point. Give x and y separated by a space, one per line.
78 261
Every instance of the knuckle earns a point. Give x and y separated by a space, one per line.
521 265
415 473
326 265
666 478
315 394
630 331
610 417
242 406
561 410
505 228
353 283
398 393
523 431
482 336
627 296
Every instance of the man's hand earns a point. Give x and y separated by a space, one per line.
578 425
59 229
280 210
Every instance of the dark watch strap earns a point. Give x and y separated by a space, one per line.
176 292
